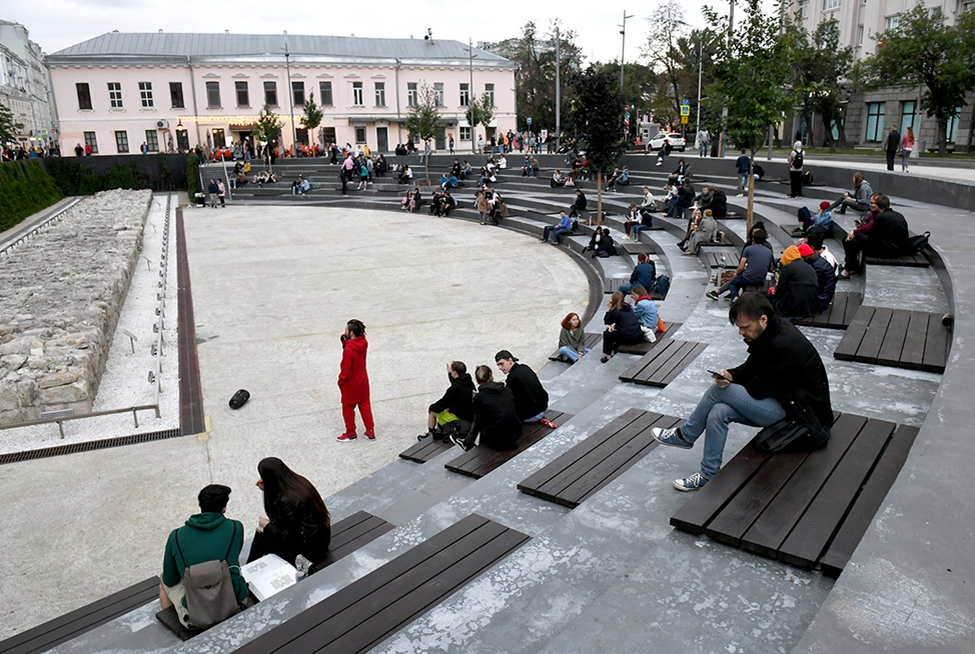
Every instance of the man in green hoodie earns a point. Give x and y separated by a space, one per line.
207 536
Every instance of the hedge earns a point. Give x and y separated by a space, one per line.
24 189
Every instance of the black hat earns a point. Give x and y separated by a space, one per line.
504 354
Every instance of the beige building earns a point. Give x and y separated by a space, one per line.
869 116
25 86
119 91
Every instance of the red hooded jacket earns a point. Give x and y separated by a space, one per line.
353 379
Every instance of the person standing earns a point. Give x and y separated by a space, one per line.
891 145
213 190
796 161
907 146
222 193
79 151
354 381
704 140
451 144
741 168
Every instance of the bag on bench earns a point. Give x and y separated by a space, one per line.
917 244
210 596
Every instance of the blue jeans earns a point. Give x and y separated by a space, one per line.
626 288
548 230
557 237
535 418
704 149
736 283
719 408
635 232
571 354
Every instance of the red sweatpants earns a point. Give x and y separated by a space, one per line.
348 412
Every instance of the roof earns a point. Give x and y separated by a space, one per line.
162 46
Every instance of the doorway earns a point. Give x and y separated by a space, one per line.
382 139
441 138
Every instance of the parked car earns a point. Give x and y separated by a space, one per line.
677 141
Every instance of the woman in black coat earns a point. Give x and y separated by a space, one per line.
297 521
623 327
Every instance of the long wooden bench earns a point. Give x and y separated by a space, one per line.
916 340
662 364
369 610
598 460
592 340
612 284
426 450
645 346
907 260
803 508
720 258
481 460
839 315
75 623
348 535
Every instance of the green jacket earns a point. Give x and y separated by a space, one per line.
205 537
576 340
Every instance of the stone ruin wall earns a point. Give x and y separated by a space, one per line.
61 294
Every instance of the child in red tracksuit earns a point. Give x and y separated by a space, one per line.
354 381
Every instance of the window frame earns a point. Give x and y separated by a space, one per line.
271 93
121 141
241 86
176 95
469 131
212 87
951 133
115 95
465 94
892 22
325 88
438 95
358 95
908 119
152 140
360 129
877 117
831 5
219 137
412 94
145 95
91 138
296 88
489 93
380 88
84 96
182 140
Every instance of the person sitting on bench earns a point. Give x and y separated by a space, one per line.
558 180
457 170
756 262
796 294
578 205
601 244
526 167
782 377
860 200
702 233
624 178
649 204
457 402
682 200
495 417
611 182
631 219
564 227
297 521
643 274
644 309
822 219
622 326
531 398
886 237
448 180
447 202
406 176
683 171
714 199
207 536
572 339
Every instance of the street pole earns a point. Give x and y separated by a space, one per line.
558 92
724 110
470 95
700 71
623 53
291 102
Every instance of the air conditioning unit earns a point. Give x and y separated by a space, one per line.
162 124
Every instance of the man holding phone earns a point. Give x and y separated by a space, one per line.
783 370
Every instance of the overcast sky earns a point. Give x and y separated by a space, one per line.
57 24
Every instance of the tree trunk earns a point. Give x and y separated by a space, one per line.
599 195
943 132
426 167
751 194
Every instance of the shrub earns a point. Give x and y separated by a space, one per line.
25 188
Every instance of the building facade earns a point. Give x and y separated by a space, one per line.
119 91
25 87
870 115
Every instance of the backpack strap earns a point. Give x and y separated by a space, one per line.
233 538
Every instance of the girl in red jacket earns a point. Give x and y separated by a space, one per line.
354 381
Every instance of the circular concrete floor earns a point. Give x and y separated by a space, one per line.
272 289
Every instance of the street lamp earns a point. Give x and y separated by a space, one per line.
623 53
470 95
291 100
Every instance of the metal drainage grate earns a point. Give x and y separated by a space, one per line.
16 457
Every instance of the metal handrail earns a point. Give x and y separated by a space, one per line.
93 414
17 239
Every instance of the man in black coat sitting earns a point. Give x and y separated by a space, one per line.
457 402
495 418
531 398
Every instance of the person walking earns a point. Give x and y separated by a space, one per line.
891 146
222 193
354 381
907 146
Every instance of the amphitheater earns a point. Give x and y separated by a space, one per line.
615 560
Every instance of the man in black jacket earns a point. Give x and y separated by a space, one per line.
797 291
891 144
579 204
495 418
783 377
531 399
457 402
887 236
717 202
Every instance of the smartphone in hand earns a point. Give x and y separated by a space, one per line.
718 375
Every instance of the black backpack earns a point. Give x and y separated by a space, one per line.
917 244
797 160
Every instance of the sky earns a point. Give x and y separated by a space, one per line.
57 24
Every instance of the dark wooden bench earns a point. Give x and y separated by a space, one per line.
598 460
803 508
915 340
720 258
481 460
370 609
645 346
75 623
612 284
662 364
840 313
636 247
427 449
348 535
592 340
908 260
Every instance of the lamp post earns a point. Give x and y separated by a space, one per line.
470 95
291 100
623 52
558 91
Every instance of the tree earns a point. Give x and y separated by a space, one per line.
422 120
9 129
639 83
663 50
923 50
752 70
598 119
268 128
313 114
481 112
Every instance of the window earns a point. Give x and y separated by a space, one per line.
953 125
243 95
122 142
84 95
803 11
115 95
325 91
182 140
301 133
298 93
908 109
465 94
330 135
176 95
438 94
465 133
92 141
152 140
360 135
829 5
213 94
145 94
271 93
875 121
859 35
380 94
357 95
219 140
411 95
892 23
489 94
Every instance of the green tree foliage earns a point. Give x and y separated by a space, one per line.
421 121
9 129
481 112
24 189
313 115
192 175
752 69
268 127
74 178
598 120
923 49
639 83
667 50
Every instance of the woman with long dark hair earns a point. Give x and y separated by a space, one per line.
297 521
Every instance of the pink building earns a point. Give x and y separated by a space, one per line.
119 91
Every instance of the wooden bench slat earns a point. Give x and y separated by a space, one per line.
591 341
839 315
350 539
936 347
645 346
481 460
893 344
876 333
850 343
690 350
868 502
908 260
813 531
917 333
778 519
896 337
426 449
